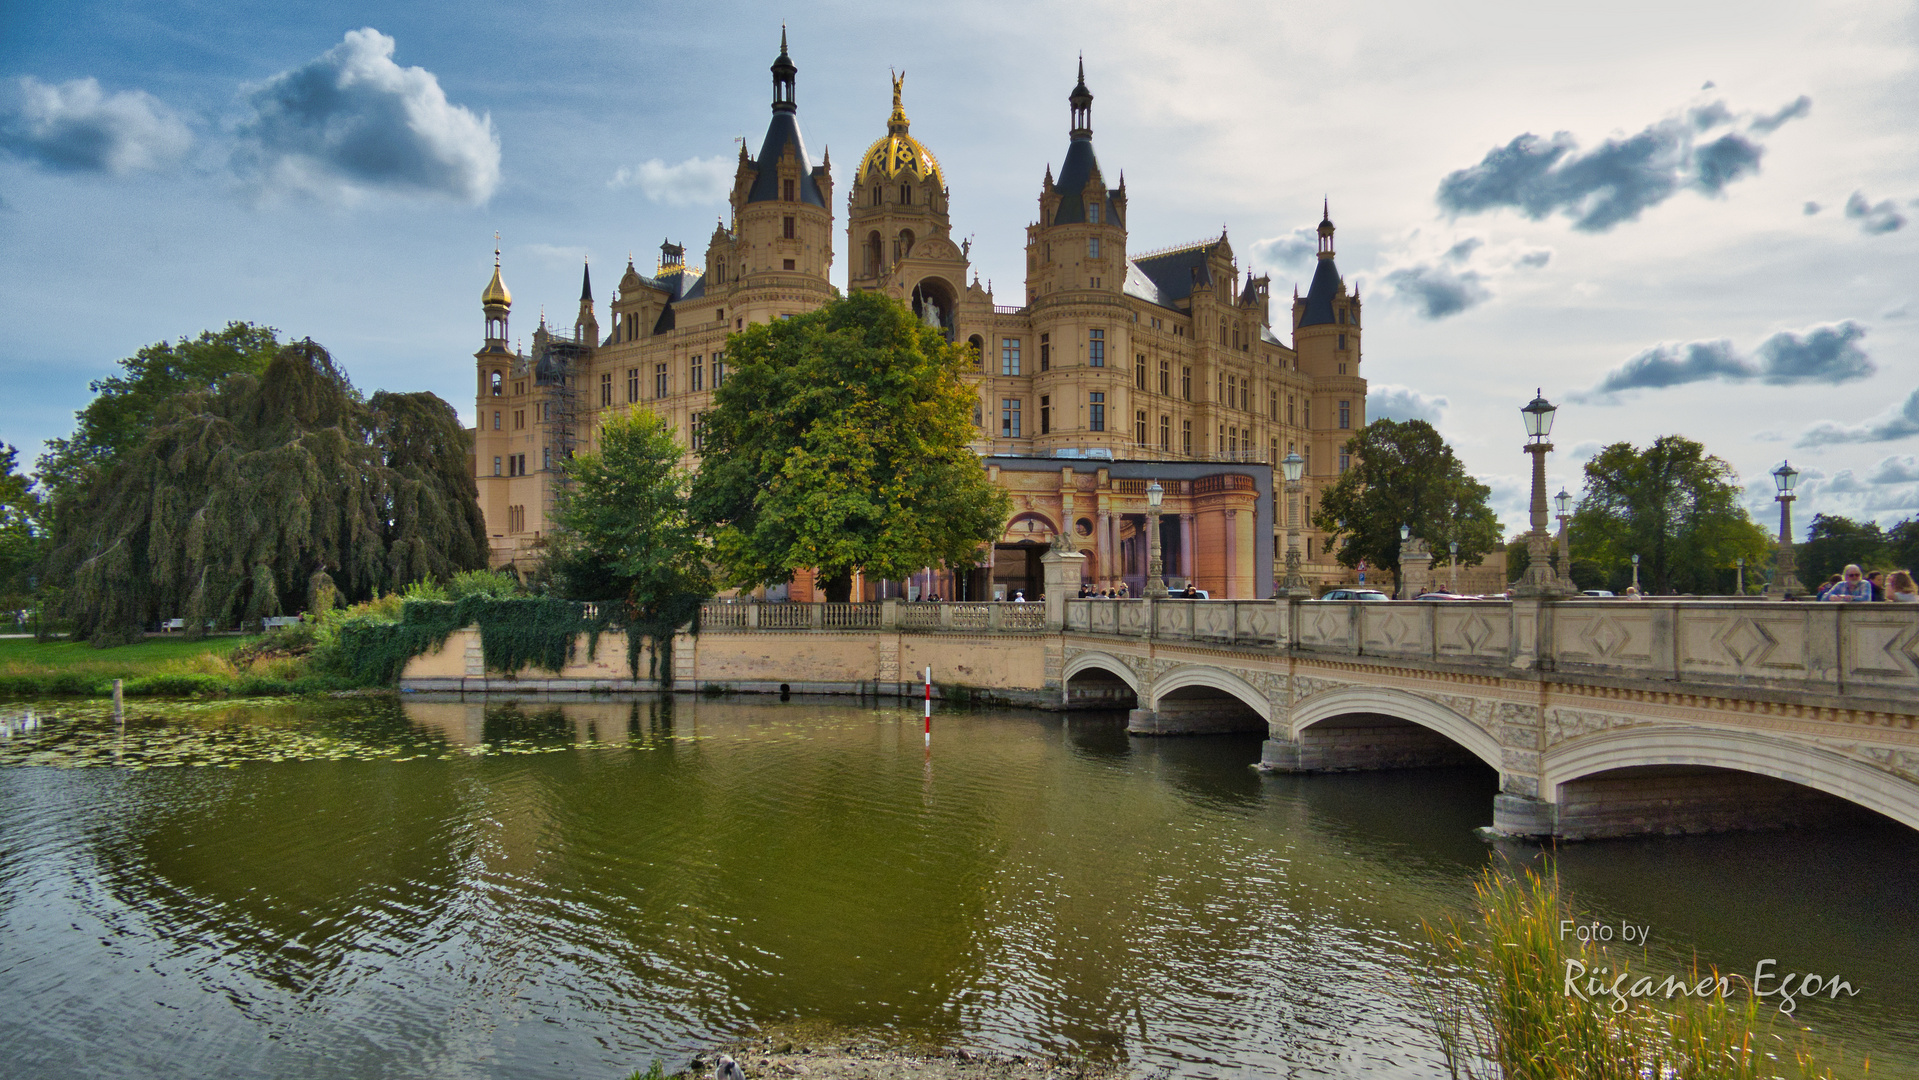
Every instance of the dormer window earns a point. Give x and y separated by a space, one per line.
1092 248
1092 214
786 190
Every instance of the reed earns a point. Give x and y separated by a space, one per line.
1494 991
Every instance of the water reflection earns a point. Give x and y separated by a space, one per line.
547 888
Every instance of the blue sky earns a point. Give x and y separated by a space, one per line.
1700 220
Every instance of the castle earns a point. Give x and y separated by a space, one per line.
1115 370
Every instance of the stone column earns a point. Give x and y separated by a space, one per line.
1232 553
1415 568
1102 549
1186 547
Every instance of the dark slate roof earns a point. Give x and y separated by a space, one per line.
679 285
1173 274
586 282
784 131
1319 298
1138 284
1074 172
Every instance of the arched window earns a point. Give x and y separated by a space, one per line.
979 349
878 194
875 250
496 384
906 194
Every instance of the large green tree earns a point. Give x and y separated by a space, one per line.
127 404
839 442
1405 474
245 497
1676 507
626 535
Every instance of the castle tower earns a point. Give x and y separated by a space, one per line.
782 235
496 303
898 235
1326 337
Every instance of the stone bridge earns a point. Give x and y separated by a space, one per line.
1601 717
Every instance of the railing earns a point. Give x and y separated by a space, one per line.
886 615
1008 309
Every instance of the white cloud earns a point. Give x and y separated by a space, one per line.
1899 422
1385 401
351 121
1294 249
686 183
77 127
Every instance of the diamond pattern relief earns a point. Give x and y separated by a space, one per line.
1605 636
1747 643
1325 625
1475 631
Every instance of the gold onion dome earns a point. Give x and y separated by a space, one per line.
496 294
898 155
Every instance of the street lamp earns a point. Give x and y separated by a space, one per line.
1785 584
1155 568
1405 534
1538 581
1635 573
1563 506
1739 581
1291 466
1453 572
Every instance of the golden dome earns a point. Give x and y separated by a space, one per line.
496 294
898 155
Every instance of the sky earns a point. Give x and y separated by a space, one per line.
1699 220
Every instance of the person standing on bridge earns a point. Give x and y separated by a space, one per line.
1853 589
1900 588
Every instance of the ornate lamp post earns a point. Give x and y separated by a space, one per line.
1155 568
1635 573
1739 578
1452 573
1563 506
1294 585
1785 583
1539 581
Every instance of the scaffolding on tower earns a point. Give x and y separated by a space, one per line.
560 363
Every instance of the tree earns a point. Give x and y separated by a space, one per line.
626 535
839 443
128 403
1833 541
22 534
1673 505
246 497
1405 474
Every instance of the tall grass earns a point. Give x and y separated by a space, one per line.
1495 993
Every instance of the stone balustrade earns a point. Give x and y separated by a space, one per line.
723 617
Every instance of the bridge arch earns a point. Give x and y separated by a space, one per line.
1097 680
1749 752
1400 706
1212 678
1099 661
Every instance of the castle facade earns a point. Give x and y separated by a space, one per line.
1116 369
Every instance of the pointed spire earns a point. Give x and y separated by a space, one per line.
783 72
586 282
1081 100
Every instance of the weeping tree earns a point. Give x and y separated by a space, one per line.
246 499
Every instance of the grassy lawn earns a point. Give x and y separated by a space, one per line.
154 656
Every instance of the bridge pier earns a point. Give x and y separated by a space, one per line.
1669 800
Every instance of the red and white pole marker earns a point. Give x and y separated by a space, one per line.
929 704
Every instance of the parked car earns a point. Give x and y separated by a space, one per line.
1597 592
1445 596
1355 594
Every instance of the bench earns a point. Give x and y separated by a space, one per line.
274 622
171 625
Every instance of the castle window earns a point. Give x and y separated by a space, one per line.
519 419
1009 356
977 422
496 419
659 380
1245 388
1045 352
1092 217
1342 341
496 464
1186 437
1289 409
1045 416
498 384
1186 383
1009 418
632 384
786 190
546 458
719 370
1345 415
719 314
1306 414
1165 432
1096 411
1272 404
906 194
786 228
1139 426
1092 247
1139 371
878 195
606 390
1095 348
696 374
1165 377
1232 389
696 431
1345 460
786 264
